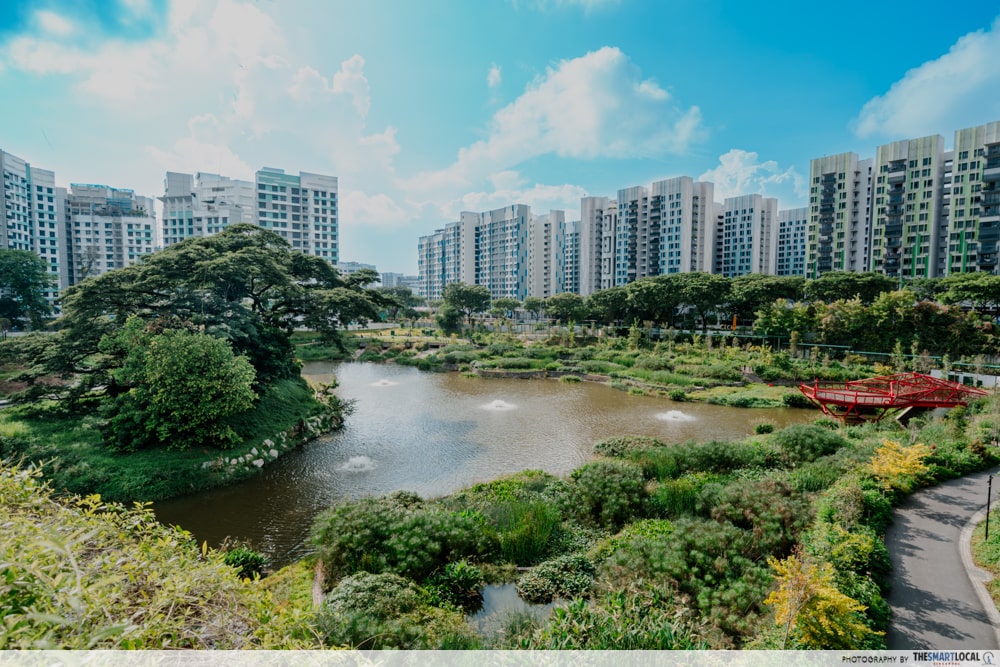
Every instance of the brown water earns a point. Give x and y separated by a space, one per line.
434 433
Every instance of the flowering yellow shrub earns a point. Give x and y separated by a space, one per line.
897 467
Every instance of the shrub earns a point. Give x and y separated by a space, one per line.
394 534
705 560
570 378
806 442
514 363
678 395
763 428
643 619
607 493
796 399
620 445
566 576
458 584
248 563
769 509
385 611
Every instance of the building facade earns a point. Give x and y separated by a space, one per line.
840 214
32 210
203 204
107 228
793 227
974 225
748 236
439 260
547 254
909 222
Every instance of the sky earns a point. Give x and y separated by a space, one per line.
427 108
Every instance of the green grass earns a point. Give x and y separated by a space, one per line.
74 458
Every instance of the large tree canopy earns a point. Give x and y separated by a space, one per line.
467 299
24 280
244 285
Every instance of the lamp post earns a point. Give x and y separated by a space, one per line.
989 488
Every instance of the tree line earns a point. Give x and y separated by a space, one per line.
956 315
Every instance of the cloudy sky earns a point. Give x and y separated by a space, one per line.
427 108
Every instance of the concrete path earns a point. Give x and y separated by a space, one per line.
937 595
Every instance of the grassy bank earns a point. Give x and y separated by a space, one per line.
70 448
91 575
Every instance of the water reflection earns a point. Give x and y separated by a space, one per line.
434 433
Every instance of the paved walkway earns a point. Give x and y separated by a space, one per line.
936 593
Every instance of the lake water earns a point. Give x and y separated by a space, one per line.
435 433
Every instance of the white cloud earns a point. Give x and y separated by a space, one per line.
494 77
358 208
540 197
941 95
594 106
53 23
351 79
741 172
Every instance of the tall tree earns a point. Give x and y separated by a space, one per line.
652 299
566 307
608 306
753 291
467 299
705 292
534 305
245 285
846 284
24 280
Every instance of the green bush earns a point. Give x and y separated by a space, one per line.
678 395
565 576
620 445
513 363
643 619
386 611
796 399
607 493
570 378
396 534
707 562
806 442
459 585
248 563
653 363
763 428
769 509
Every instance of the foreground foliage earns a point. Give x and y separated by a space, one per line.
87 574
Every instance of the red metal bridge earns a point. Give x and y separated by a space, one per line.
872 399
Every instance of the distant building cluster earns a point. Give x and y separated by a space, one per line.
915 210
90 229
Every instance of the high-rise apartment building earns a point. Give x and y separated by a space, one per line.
840 214
302 209
571 275
203 204
748 236
596 232
508 250
106 228
546 254
687 224
974 226
909 221
32 211
439 260
793 227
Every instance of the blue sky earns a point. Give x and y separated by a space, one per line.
424 109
